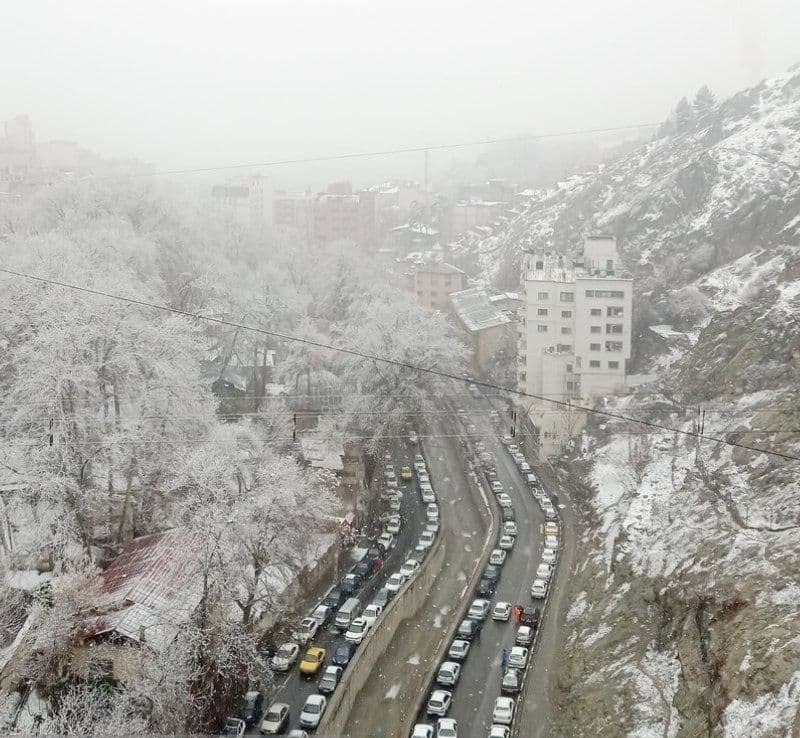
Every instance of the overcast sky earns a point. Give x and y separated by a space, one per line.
186 84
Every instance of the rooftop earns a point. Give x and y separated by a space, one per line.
476 311
440 267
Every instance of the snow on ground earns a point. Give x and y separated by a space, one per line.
731 285
597 635
769 716
578 607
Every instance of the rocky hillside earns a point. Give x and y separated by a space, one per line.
686 604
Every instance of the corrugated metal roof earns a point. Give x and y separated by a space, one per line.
476 311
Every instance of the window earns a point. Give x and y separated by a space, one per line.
543 296
594 364
569 368
594 347
613 327
595 329
614 312
566 330
542 311
570 386
595 312
563 347
578 361
613 365
613 345
566 313
541 329
613 294
567 297
609 265
540 265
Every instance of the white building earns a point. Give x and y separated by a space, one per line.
575 338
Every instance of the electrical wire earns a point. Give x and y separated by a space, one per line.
402 364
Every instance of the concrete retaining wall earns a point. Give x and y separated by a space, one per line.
405 605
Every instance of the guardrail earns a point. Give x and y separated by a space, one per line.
405 605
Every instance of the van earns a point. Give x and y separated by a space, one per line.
348 613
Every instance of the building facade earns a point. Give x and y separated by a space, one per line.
575 338
433 284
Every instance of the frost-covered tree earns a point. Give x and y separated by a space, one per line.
704 102
684 116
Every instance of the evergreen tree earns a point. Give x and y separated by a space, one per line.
704 102
684 116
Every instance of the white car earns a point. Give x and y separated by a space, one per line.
510 528
549 556
504 500
551 528
371 614
394 504
518 458
312 711
284 657
524 466
458 650
539 589
432 526
306 631
497 487
391 481
517 659
501 611
321 614
432 511
506 543
499 731
424 478
439 702
505 440
448 674
357 630
428 495
479 609
503 712
544 571
446 728
524 635
419 466
497 557
513 449
422 730
426 539
409 568
386 540
396 581
393 525
550 542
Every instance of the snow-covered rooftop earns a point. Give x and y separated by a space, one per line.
476 311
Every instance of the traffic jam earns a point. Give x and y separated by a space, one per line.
326 641
435 719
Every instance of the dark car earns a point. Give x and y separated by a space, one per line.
334 598
468 629
351 583
486 588
508 514
343 653
253 707
492 572
363 569
511 683
383 596
530 616
375 556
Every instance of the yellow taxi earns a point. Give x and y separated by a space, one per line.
312 661
405 474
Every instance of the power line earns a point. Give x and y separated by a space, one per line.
382 152
402 364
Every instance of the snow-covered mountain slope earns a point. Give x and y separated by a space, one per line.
686 603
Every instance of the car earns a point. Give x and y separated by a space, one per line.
503 712
394 503
432 511
284 657
371 613
550 513
518 458
448 674
322 614
458 650
382 597
491 475
386 540
499 731
548 556
497 557
405 474
409 568
524 636
389 468
508 514
432 526
343 653
413 438
501 611
395 582
505 440
253 707
551 528
306 630
530 478
479 609
504 500
352 582
422 730
276 720
530 616
357 631
234 726
297 733
512 681
312 661
426 539
312 710
506 543
439 702
428 496
419 466
446 728
509 528
330 679
551 542
393 525
334 598
497 487
492 572
539 589
486 588
524 466
543 571
513 449
424 478
468 629
517 658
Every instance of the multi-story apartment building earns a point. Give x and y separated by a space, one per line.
575 338
247 199
433 283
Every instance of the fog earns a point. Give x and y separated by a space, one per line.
203 84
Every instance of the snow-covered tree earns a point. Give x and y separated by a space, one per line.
704 102
684 116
